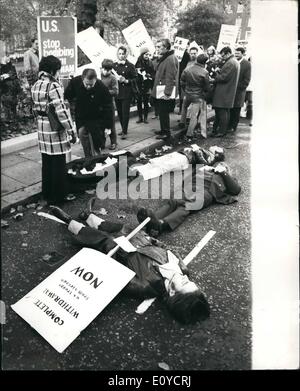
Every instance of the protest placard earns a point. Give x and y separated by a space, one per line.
180 44
93 45
56 36
137 37
67 301
228 36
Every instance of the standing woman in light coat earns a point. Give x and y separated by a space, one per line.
53 144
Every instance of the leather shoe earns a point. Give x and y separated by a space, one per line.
163 137
60 214
159 132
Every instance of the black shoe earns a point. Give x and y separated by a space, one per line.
124 136
59 213
154 223
139 121
113 147
163 137
145 121
159 132
220 135
120 134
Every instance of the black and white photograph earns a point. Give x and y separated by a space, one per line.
149 188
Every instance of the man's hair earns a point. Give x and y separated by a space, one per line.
33 39
226 50
166 43
240 49
194 48
124 48
50 64
188 307
89 74
202 58
107 64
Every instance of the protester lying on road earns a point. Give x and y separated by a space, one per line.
217 187
159 273
180 160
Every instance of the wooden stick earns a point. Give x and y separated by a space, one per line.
131 235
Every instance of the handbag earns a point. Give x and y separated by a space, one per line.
55 124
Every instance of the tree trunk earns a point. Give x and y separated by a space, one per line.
86 14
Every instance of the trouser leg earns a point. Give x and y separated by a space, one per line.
54 177
125 114
203 118
168 208
97 131
195 109
146 106
185 105
164 117
120 111
234 119
223 120
140 106
216 121
177 217
85 141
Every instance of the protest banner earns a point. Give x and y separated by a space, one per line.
56 36
137 37
67 301
195 45
93 45
179 47
228 36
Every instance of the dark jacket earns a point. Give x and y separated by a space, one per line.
167 74
243 82
10 87
194 81
148 282
226 84
93 104
128 71
146 67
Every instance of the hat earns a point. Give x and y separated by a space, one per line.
144 50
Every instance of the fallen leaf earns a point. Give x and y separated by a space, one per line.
164 366
21 153
23 232
40 207
12 210
166 147
46 257
142 155
24 245
102 211
18 216
90 191
4 224
121 216
20 208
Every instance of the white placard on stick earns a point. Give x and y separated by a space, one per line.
180 44
228 36
93 45
137 37
67 301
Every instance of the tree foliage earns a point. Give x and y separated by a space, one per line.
201 23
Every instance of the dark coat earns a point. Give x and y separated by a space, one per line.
167 74
128 71
226 84
145 85
194 81
243 82
93 104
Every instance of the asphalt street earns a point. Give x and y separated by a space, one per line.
119 338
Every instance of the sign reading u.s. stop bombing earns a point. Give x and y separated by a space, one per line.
56 36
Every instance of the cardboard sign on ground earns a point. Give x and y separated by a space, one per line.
67 301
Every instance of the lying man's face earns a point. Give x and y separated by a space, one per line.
181 284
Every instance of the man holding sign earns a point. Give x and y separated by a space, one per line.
165 86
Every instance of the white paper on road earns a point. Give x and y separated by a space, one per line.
100 166
117 153
228 36
137 37
147 303
93 45
124 243
67 301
